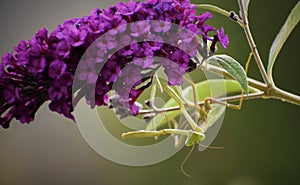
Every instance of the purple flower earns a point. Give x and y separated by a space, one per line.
128 9
7 59
181 58
77 37
42 34
205 29
95 25
10 94
56 68
131 75
222 38
87 73
101 90
108 42
161 26
57 90
139 29
62 106
135 49
204 17
219 37
144 63
43 68
162 7
151 47
113 24
134 109
36 65
63 49
110 71
125 40
175 74
34 48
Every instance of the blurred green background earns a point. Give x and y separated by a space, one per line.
261 141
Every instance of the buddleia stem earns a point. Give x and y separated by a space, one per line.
220 11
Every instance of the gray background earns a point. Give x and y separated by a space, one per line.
261 141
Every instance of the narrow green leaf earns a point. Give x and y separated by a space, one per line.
204 91
233 68
282 36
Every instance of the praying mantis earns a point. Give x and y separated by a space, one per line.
197 122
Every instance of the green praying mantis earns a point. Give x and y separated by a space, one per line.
196 122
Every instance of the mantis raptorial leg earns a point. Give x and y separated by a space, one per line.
181 103
196 134
184 126
180 138
203 112
172 123
208 101
195 97
152 104
180 99
154 133
193 136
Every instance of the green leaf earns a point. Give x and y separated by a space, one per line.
233 68
204 90
282 36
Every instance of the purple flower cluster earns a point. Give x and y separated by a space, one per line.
44 67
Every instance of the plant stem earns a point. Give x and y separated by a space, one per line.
282 95
218 10
253 45
269 92
244 24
